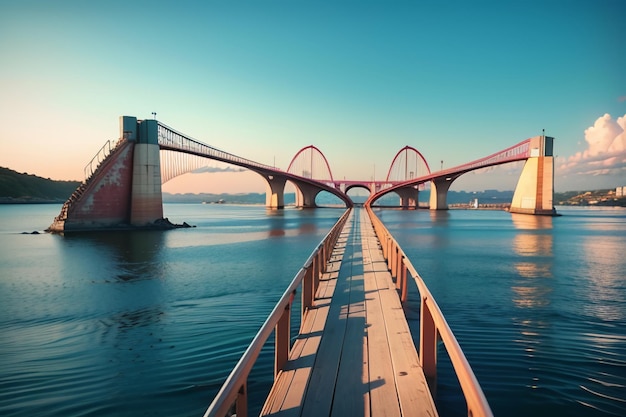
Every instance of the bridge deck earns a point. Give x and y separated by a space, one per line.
354 355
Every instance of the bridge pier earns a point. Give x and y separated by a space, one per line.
305 195
408 196
439 192
275 191
146 197
534 193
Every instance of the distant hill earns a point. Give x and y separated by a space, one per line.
207 198
27 188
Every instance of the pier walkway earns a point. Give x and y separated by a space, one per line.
355 355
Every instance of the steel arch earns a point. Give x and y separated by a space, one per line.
313 148
406 148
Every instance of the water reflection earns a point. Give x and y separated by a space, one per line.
440 217
281 224
605 294
277 222
530 244
135 253
534 243
531 222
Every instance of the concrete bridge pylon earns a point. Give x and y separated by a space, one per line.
146 204
408 196
275 191
534 193
305 195
439 192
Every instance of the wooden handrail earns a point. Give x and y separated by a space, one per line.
433 325
234 390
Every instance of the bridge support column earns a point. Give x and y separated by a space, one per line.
305 195
439 193
275 192
534 193
146 198
408 197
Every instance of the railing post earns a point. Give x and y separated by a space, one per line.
396 261
281 347
404 289
307 292
428 346
241 404
389 253
383 244
399 266
398 273
316 273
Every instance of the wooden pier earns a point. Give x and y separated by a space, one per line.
355 355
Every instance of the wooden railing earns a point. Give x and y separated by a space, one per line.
233 396
433 326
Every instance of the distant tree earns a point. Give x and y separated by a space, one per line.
31 187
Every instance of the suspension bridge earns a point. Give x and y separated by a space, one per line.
122 187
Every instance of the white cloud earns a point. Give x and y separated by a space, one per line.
605 153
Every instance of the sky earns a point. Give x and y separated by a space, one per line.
457 80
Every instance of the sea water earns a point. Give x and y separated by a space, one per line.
151 323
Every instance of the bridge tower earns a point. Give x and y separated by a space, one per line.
534 193
124 191
146 204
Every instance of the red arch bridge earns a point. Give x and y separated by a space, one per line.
122 186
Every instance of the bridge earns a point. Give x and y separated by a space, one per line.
122 187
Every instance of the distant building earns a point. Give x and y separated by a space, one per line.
620 192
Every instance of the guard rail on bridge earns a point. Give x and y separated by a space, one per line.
433 325
170 139
234 392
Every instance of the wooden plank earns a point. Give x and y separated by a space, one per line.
413 394
383 397
352 386
351 395
288 391
289 388
319 395
355 354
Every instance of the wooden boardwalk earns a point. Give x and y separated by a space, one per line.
354 355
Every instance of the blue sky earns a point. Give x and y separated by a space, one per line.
357 79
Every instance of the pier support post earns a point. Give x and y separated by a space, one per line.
275 192
305 195
439 192
428 346
534 193
146 197
408 196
